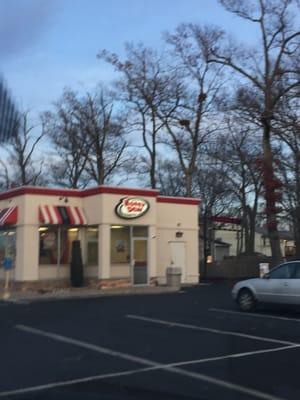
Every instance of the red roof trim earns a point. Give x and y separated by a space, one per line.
97 190
39 191
178 200
121 191
77 192
226 220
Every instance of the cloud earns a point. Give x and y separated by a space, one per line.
21 24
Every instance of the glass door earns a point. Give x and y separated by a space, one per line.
139 261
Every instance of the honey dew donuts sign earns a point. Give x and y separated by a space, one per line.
132 207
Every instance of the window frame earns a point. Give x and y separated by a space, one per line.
131 229
122 263
59 231
14 255
87 241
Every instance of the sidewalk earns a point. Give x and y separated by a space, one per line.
79 293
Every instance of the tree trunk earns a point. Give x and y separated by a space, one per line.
270 195
297 231
251 244
205 252
296 216
153 171
188 184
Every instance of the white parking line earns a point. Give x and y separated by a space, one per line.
17 301
152 364
210 330
234 355
85 345
54 385
245 314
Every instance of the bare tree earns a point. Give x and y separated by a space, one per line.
210 185
22 166
170 178
188 115
88 136
142 88
287 130
271 69
105 130
239 152
71 144
5 180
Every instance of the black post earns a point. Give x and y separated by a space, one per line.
76 265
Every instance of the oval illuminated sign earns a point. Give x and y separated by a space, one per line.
132 207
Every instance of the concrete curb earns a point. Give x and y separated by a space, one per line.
24 297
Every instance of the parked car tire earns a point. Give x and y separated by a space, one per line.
246 300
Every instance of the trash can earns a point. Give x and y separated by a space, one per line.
174 277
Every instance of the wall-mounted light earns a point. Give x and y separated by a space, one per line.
64 199
92 229
43 229
209 259
179 234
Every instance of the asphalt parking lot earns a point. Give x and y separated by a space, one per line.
188 345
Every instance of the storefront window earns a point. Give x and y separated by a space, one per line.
140 231
7 245
68 235
56 244
120 244
48 245
92 245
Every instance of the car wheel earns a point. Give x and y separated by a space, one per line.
246 300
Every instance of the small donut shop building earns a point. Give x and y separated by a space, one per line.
127 236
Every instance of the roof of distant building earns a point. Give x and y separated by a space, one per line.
283 234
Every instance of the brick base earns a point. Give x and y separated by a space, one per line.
108 283
46 285
153 281
114 283
93 283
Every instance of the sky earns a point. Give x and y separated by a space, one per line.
46 45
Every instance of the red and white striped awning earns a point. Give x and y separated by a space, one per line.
9 216
62 215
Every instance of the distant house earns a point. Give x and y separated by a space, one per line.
221 250
262 242
226 240
231 237
226 237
